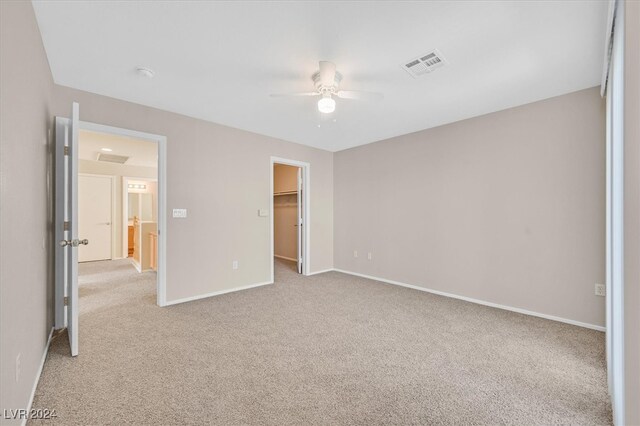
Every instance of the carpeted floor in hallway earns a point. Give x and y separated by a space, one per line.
325 349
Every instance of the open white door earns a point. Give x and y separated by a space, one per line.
66 225
300 223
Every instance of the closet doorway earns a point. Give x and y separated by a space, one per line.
290 215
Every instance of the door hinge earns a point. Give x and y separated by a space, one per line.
66 150
66 226
66 301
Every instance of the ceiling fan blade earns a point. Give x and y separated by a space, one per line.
327 73
357 94
282 95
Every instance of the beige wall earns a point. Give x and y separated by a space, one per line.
632 212
232 169
26 291
506 208
117 170
285 211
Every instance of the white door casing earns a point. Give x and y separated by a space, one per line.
304 200
161 284
299 220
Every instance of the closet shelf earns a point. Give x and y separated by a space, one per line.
275 194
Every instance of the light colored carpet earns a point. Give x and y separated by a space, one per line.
326 349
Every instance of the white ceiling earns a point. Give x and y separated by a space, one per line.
140 152
219 61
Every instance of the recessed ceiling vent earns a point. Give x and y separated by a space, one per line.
424 64
112 158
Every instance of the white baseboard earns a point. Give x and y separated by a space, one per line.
479 302
136 264
37 380
216 293
320 272
285 258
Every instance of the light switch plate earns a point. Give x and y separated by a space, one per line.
600 290
180 213
263 212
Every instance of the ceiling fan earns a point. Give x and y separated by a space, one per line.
327 84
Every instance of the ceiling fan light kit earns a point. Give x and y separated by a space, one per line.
326 104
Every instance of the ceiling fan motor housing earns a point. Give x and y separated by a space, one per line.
317 81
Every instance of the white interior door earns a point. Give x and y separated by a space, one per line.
94 217
300 223
66 225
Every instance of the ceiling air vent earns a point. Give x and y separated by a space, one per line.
424 64
112 158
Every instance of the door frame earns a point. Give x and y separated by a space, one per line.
615 256
113 207
306 212
161 283
125 211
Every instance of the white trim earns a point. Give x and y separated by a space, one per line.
37 380
161 298
113 208
608 48
321 272
136 264
615 274
608 244
124 203
306 205
285 258
477 301
216 293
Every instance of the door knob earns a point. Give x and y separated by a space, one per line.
64 243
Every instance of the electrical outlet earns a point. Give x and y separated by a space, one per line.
369 256
18 367
235 264
600 290
355 253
